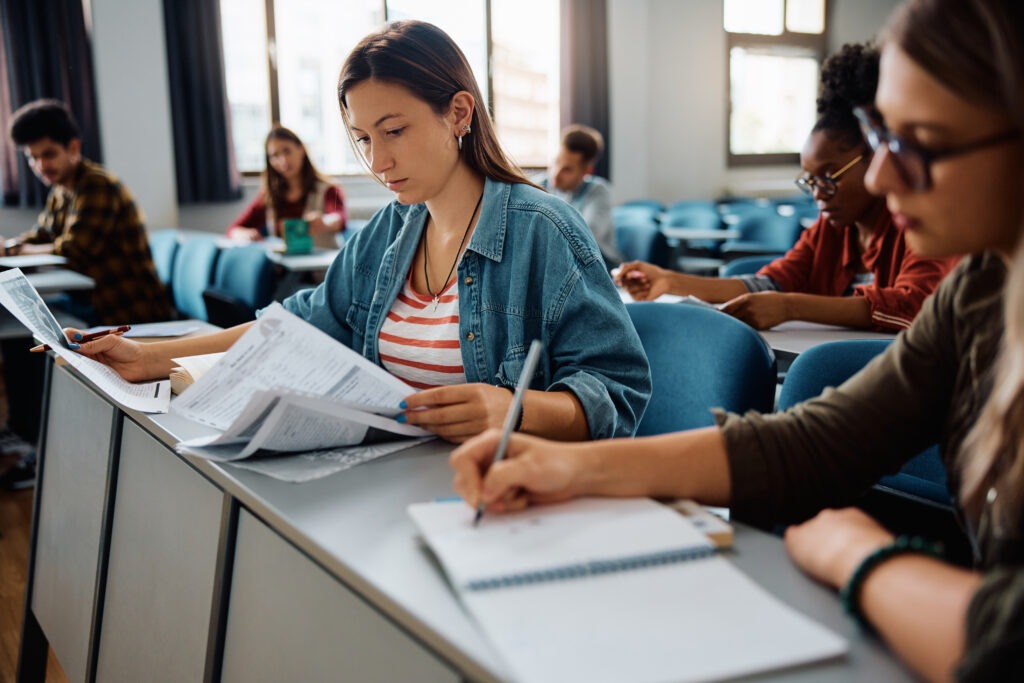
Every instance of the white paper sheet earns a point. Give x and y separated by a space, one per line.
19 297
280 351
283 421
305 467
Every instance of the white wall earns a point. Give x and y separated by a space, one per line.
669 100
129 56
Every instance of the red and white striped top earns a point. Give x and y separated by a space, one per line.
419 343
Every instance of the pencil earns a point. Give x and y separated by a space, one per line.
532 356
92 336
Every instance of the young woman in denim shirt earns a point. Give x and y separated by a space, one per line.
447 286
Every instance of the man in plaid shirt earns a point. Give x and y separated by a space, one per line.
91 219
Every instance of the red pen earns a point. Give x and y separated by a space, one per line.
92 336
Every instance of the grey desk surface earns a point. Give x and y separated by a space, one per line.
31 261
354 525
794 337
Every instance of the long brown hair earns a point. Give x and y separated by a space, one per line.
424 60
976 49
275 186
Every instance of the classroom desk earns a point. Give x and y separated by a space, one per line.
684 234
793 337
26 261
146 565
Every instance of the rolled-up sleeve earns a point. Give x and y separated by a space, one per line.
894 308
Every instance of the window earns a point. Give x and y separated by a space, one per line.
282 59
775 49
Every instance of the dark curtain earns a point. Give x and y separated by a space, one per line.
584 70
203 151
46 53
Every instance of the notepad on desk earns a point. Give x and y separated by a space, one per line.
613 590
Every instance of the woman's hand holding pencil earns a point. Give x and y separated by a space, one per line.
79 338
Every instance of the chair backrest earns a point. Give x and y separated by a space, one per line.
243 283
633 214
163 245
747 265
829 365
700 358
193 273
696 215
652 204
642 241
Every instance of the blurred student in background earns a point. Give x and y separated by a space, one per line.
853 267
90 219
947 140
292 188
571 178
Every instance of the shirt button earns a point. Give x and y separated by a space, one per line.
468 280
470 336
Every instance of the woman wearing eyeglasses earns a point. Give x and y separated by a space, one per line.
949 158
853 266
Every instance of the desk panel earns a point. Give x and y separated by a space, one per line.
163 557
283 603
69 526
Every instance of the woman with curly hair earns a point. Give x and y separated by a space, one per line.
853 267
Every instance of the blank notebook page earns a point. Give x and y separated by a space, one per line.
692 620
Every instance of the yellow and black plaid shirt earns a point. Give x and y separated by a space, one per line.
98 228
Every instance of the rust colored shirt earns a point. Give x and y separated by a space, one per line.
826 260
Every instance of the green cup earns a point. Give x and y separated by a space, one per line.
297 239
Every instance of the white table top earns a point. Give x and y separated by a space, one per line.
796 336
60 280
32 261
681 233
319 260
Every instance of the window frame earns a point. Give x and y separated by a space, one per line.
815 43
272 73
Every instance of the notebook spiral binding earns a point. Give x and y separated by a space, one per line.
591 568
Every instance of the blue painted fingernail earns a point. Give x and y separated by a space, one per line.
77 336
73 346
403 405
400 418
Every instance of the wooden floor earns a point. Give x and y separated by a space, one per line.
15 526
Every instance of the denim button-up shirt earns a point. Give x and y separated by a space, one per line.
531 271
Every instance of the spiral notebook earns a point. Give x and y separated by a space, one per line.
613 590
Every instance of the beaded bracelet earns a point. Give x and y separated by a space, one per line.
519 421
850 593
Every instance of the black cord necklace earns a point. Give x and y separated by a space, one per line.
436 297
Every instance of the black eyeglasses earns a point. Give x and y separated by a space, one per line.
912 162
828 184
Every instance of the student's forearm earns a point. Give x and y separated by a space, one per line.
158 355
690 464
554 415
919 606
846 311
711 289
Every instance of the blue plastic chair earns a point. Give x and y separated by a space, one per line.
700 358
923 478
652 204
193 272
639 213
763 232
243 283
163 245
642 241
747 265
